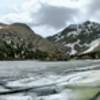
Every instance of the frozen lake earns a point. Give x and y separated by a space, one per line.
36 80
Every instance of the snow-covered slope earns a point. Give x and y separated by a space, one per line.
76 38
94 47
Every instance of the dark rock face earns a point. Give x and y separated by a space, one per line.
76 38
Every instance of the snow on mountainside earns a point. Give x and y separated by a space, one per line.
94 47
77 37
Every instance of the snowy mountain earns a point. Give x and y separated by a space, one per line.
76 38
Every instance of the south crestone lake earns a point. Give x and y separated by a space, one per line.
39 80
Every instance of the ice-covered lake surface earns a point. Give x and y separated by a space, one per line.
37 80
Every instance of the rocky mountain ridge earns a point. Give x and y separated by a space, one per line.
76 38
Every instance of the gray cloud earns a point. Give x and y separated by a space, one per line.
93 10
95 5
54 16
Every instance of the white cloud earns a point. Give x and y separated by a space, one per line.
68 3
20 13
31 6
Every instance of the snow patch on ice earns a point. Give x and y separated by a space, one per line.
16 98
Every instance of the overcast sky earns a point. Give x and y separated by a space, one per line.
46 17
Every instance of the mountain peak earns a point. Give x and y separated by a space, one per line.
20 25
87 22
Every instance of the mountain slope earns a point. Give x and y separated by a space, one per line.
18 41
77 37
93 51
94 47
